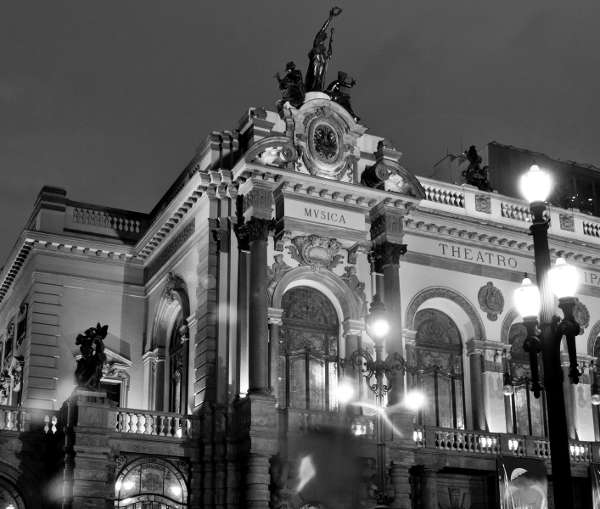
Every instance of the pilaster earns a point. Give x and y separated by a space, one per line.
87 482
487 355
387 232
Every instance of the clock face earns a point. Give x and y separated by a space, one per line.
325 142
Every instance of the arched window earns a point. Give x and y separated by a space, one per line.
526 414
309 351
151 484
9 496
178 366
436 359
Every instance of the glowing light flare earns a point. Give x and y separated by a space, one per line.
344 392
536 184
527 299
176 490
414 400
379 328
563 279
306 471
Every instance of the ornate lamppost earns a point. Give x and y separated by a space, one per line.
378 372
545 335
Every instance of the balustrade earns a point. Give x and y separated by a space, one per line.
160 424
477 442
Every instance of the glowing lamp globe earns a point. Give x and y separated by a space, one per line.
414 400
527 299
508 389
595 399
535 185
563 279
378 326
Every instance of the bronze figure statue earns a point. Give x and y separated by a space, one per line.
291 86
320 54
339 90
89 366
475 175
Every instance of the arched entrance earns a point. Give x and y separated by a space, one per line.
309 351
151 484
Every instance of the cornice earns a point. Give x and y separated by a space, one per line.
496 236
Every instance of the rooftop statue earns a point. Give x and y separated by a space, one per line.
339 89
475 175
89 366
320 54
291 86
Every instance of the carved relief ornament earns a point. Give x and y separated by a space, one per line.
316 251
491 300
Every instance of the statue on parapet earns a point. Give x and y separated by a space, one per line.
475 175
339 90
89 367
320 54
291 86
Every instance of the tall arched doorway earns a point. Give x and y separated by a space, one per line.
526 415
309 351
436 359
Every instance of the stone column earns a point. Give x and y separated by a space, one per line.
257 212
569 395
352 333
429 489
257 482
154 377
275 322
387 247
492 375
475 354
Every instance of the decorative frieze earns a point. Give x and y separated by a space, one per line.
170 249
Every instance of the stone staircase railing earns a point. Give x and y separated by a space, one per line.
481 442
162 424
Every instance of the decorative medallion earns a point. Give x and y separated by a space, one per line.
491 301
316 251
567 222
581 314
325 143
483 203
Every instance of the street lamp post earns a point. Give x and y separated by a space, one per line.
546 335
378 373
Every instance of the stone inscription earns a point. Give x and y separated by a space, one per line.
471 254
590 278
321 214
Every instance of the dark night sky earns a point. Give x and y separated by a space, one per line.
110 99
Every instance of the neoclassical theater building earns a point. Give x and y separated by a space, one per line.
233 310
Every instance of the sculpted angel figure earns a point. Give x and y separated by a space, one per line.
89 366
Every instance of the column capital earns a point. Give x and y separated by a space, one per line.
254 229
275 315
387 224
353 327
257 199
384 254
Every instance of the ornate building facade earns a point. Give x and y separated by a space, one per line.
234 308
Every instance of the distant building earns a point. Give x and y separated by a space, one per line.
234 308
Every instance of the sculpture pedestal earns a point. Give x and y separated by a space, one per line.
87 452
